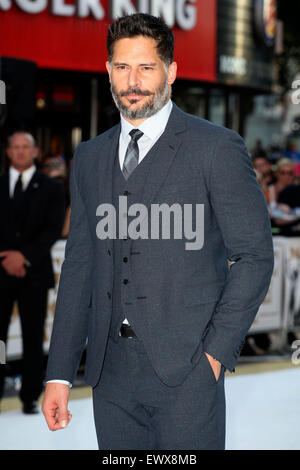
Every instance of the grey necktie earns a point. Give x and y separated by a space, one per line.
131 160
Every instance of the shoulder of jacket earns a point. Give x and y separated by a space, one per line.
99 140
201 126
210 128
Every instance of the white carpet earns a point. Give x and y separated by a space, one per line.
263 413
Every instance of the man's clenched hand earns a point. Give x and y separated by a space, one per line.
55 405
13 262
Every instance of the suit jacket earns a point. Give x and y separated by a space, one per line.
43 213
189 300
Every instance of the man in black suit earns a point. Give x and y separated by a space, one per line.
32 210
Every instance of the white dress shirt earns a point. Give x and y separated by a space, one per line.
14 175
152 128
26 178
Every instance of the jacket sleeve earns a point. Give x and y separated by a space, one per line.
241 213
70 324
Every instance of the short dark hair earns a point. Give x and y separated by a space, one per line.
142 24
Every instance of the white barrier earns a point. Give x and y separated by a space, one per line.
291 269
279 311
270 314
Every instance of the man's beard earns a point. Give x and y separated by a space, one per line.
157 100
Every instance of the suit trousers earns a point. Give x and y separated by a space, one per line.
135 410
32 307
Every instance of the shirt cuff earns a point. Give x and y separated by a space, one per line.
65 382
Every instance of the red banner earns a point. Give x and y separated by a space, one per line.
71 34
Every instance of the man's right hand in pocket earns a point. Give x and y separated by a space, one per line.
55 406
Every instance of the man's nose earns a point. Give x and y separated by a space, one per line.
133 78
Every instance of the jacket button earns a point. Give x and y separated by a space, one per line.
125 281
125 259
126 193
109 295
108 251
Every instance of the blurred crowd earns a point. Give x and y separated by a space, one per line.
278 173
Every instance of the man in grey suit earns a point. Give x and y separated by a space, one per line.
163 316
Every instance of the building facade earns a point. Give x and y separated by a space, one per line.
53 53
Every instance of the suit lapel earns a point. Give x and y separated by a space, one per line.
165 149
33 185
106 172
32 195
166 152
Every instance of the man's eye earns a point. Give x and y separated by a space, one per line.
147 68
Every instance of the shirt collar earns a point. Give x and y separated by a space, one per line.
26 175
152 126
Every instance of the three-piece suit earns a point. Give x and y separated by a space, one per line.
159 388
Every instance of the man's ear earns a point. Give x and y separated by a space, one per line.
172 73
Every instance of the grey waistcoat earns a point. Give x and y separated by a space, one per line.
124 296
